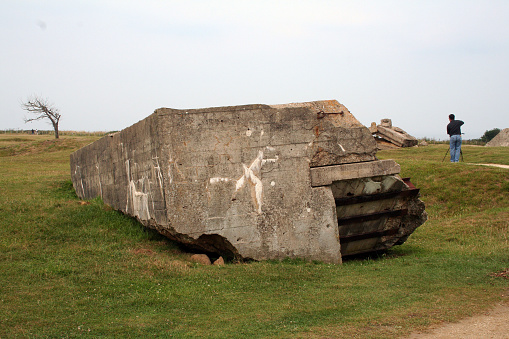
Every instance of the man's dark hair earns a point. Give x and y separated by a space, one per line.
451 116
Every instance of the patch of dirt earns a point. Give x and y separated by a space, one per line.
494 165
493 323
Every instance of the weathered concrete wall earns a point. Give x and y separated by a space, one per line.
124 169
234 180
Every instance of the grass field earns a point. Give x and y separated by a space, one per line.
71 268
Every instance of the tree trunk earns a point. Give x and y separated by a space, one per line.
55 126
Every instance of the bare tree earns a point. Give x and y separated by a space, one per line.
43 110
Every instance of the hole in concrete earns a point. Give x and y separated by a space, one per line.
215 245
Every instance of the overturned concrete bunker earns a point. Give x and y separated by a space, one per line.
386 133
255 181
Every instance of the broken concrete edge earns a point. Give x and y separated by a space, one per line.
211 243
324 176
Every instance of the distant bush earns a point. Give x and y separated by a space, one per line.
433 141
488 135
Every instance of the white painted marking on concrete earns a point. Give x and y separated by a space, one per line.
170 174
128 173
270 160
251 176
81 181
139 200
99 179
159 175
149 193
240 183
257 185
218 179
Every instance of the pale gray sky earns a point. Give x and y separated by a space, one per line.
107 64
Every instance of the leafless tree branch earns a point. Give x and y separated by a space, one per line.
42 109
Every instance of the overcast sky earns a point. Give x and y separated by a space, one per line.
108 64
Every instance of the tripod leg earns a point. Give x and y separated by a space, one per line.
445 155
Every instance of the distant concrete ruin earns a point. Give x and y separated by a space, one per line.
392 134
500 140
255 181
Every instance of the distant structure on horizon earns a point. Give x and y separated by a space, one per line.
501 139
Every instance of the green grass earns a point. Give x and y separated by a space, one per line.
71 269
437 153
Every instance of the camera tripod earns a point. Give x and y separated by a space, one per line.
461 154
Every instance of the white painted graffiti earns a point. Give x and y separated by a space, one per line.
137 198
250 177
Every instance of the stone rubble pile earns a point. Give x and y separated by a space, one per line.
385 134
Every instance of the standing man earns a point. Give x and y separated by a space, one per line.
454 130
